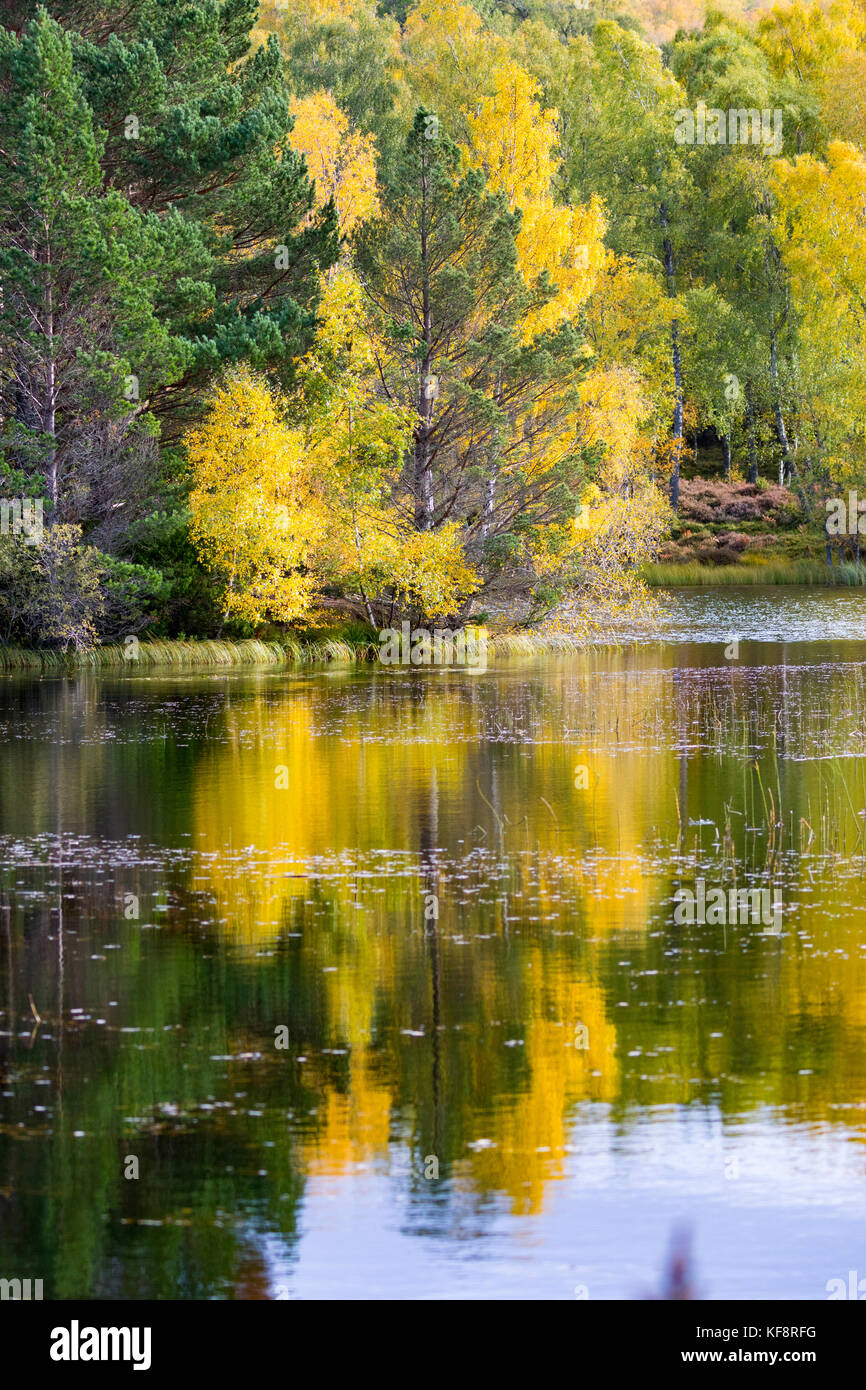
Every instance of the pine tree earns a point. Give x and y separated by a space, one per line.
156 223
495 440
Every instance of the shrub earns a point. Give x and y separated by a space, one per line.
734 540
743 509
703 499
133 598
191 599
699 511
718 555
50 593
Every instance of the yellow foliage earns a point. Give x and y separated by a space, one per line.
351 428
489 104
628 320
341 160
255 514
615 407
804 41
425 570
315 11
822 224
356 442
596 556
512 138
843 98
450 55
430 569
821 227
612 534
341 347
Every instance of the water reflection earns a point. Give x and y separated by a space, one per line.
506 1070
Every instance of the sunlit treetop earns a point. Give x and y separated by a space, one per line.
341 160
804 40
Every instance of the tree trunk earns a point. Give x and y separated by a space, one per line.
670 273
726 456
424 504
489 503
750 424
781 432
364 599
424 501
678 415
367 606
49 408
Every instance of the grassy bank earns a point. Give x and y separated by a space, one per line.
774 572
164 652
208 653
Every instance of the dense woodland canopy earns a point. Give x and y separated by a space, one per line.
335 308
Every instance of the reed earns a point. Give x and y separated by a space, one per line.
252 652
176 653
531 643
772 572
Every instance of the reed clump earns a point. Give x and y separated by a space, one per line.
773 572
531 643
191 653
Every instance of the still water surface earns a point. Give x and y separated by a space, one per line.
195 868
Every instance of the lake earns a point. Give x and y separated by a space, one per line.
374 982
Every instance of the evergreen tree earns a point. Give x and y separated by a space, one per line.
156 224
495 441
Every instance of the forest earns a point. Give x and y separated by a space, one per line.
323 315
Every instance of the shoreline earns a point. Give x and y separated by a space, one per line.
206 654
342 649
169 652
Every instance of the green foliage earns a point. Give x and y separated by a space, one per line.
190 600
353 58
147 193
440 270
50 594
133 598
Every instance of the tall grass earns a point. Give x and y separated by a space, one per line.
773 572
209 653
165 652
529 643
